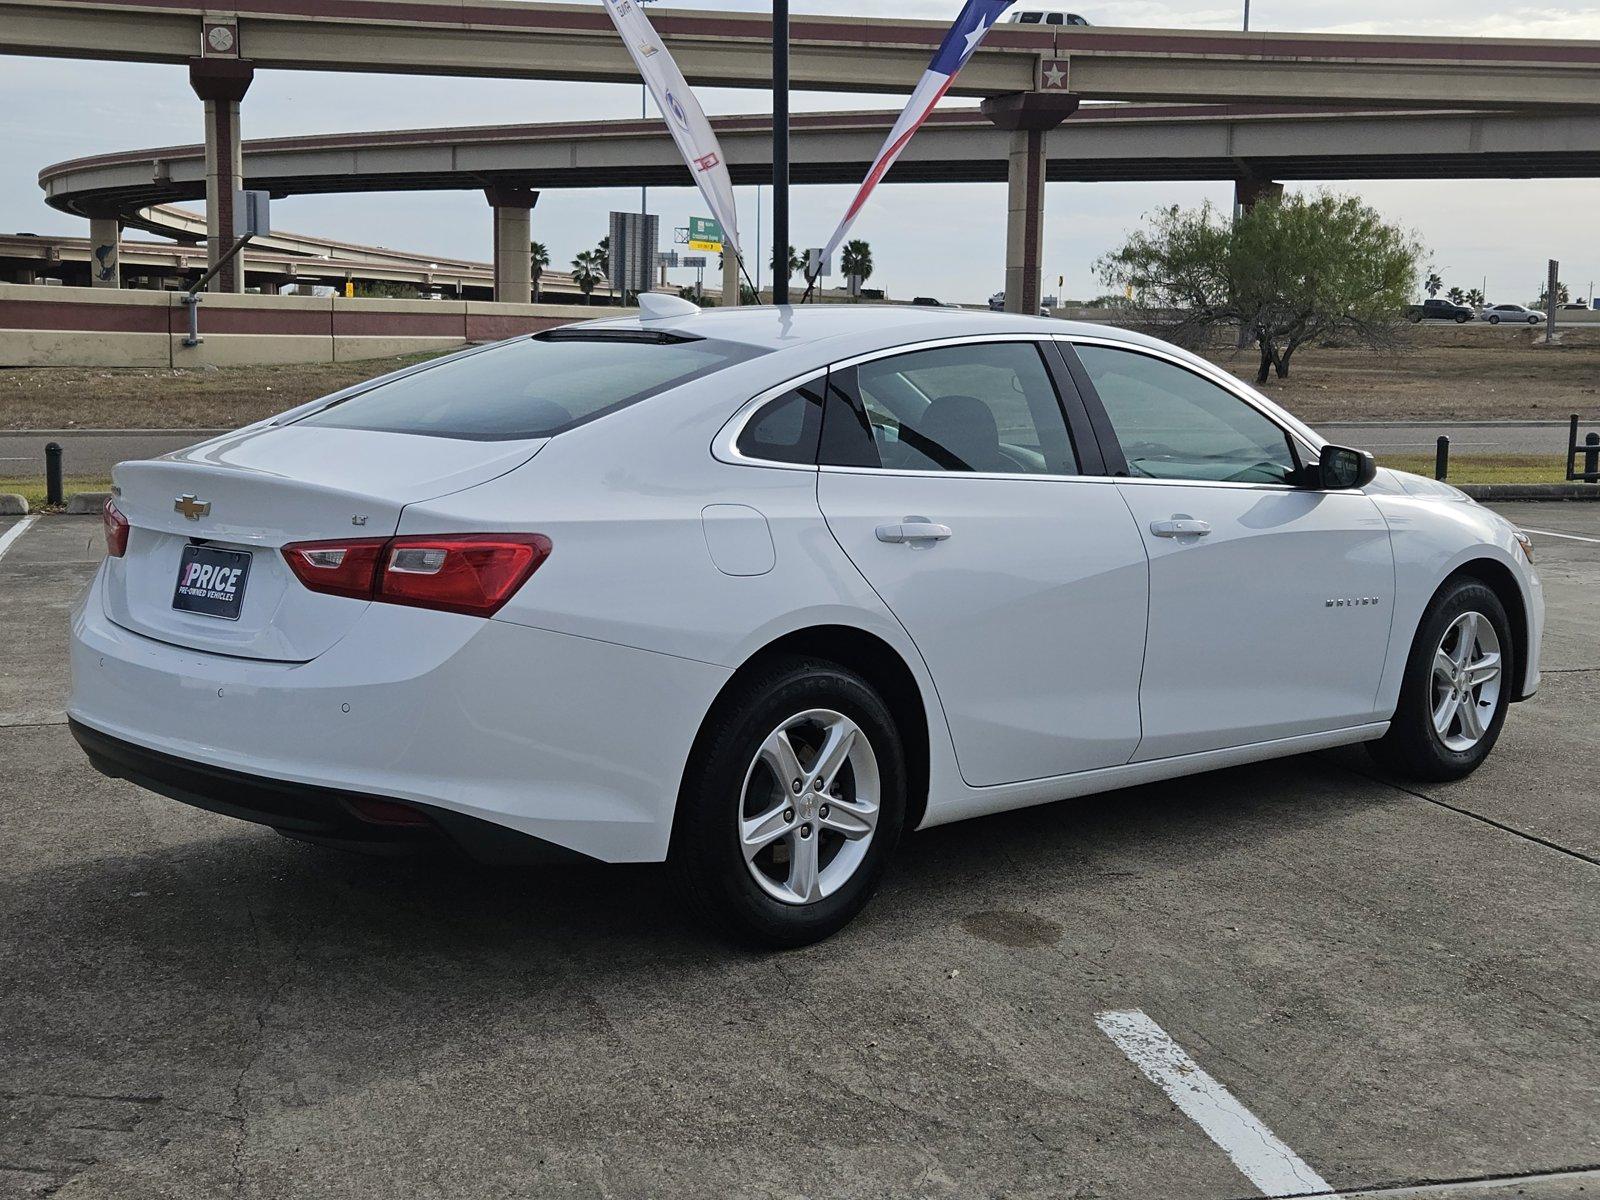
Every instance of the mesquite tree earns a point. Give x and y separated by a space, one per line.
1287 271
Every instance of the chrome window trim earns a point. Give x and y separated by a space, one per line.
1227 383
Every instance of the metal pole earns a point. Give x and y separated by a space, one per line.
1550 302
1572 448
780 151
1441 457
1591 458
52 474
1247 16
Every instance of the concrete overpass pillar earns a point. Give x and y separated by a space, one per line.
222 83
730 277
105 249
1028 116
513 257
1247 193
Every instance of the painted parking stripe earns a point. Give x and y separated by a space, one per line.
1571 537
1275 1169
16 531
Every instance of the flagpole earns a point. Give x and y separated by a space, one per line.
780 151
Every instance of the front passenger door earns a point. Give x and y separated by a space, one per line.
1269 602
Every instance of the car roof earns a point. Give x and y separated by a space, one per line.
782 327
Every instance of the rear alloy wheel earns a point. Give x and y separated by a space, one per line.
1494 320
787 820
1457 683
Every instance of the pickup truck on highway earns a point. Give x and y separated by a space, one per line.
1439 310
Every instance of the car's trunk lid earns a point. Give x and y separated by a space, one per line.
254 492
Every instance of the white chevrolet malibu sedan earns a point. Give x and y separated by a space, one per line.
756 591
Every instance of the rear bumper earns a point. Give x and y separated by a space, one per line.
319 814
571 741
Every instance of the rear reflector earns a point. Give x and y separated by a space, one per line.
116 530
471 573
386 812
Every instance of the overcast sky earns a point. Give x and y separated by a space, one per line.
941 240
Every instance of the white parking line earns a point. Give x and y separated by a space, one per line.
1571 537
15 532
1275 1169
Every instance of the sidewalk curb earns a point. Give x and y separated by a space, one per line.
1532 491
85 504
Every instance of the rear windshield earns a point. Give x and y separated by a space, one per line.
533 387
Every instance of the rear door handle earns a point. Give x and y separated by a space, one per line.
1180 527
913 529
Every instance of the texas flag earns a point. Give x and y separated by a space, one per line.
964 37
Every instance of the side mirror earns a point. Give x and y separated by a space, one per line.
1340 468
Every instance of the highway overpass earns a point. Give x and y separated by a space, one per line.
1030 76
1249 143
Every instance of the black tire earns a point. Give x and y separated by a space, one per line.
1533 320
1462 319
1494 320
1413 748
706 860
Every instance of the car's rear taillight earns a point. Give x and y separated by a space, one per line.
471 573
116 530
345 568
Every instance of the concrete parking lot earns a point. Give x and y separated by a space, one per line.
1399 986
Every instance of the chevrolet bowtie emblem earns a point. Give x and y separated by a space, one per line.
191 508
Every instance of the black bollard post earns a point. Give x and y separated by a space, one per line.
1441 457
52 474
1591 458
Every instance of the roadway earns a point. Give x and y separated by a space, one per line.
90 454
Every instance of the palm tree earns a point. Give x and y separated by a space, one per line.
1456 296
1433 283
1475 298
603 254
539 253
796 263
857 261
587 271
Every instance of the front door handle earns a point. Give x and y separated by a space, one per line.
1180 527
913 529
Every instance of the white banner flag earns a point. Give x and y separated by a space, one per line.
684 116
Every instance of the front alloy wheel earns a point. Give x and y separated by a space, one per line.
1466 681
1456 687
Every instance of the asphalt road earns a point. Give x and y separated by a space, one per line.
92 454
1466 437
1398 984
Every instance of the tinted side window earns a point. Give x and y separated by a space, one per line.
786 429
1174 424
986 407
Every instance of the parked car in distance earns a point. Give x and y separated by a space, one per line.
1436 309
1496 313
1575 306
997 302
1047 17
756 591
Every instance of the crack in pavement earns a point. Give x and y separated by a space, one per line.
1476 816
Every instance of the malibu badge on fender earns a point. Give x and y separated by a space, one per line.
211 581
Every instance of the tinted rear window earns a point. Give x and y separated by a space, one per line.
530 388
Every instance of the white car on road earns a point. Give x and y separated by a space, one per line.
756 591
1515 313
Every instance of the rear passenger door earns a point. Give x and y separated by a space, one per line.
952 478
